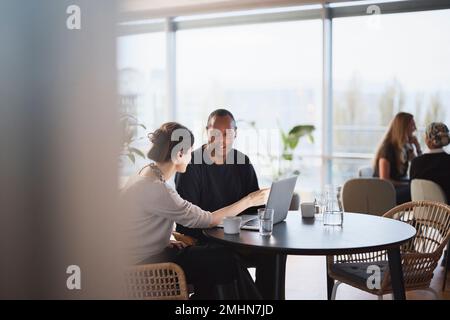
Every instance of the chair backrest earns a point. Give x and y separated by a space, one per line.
159 281
421 255
368 195
427 190
431 220
365 172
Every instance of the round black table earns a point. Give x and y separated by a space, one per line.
302 236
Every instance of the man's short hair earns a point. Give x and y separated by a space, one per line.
220 113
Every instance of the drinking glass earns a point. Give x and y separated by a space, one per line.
333 214
265 217
319 205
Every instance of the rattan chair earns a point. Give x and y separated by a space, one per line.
428 190
160 281
420 256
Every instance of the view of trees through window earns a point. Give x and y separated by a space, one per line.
142 91
399 65
270 76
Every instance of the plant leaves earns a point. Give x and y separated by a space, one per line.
137 125
128 116
137 151
293 141
301 130
131 157
296 133
129 135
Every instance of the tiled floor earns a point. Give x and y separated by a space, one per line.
306 280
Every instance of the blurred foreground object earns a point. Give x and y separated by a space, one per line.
59 142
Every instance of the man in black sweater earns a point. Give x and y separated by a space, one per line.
218 176
434 165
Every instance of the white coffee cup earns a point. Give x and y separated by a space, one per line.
308 209
232 225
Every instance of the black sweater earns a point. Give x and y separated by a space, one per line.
212 186
434 167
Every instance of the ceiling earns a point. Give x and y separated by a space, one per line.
145 9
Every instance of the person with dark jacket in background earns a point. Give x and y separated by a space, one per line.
435 164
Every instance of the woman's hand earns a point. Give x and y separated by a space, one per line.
413 140
259 197
177 244
254 199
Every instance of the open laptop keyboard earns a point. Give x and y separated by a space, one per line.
253 223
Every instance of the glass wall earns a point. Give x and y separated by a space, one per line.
268 75
142 90
383 65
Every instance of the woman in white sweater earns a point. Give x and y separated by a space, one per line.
152 208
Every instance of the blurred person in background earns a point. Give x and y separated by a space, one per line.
435 164
398 147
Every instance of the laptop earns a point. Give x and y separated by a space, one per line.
279 200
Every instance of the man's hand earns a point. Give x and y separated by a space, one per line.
177 244
259 197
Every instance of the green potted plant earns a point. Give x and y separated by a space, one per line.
290 141
282 164
129 125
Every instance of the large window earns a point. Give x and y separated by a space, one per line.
267 74
396 62
142 88
267 69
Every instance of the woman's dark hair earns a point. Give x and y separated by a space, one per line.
168 140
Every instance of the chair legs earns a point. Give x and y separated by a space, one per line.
330 285
335 286
447 263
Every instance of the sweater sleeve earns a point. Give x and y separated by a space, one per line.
171 206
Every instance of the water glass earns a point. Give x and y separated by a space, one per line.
333 218
319 205
333 214
265 217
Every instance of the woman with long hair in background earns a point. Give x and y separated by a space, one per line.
398 147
